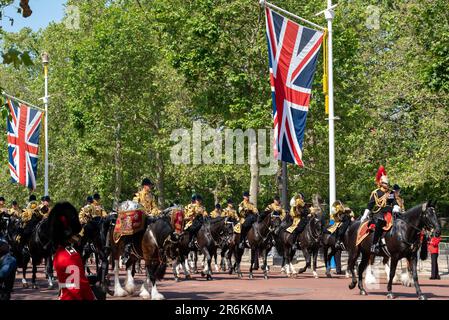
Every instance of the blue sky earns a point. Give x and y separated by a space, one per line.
44 12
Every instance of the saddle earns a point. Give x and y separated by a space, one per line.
365 229
129 223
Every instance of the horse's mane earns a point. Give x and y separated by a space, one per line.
216 220
263 215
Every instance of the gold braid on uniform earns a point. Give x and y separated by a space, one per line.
381 202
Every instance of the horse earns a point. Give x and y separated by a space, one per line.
329 241
40 248
260 242
147 245
222 233
401 241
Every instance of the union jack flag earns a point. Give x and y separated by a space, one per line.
23 142
293 53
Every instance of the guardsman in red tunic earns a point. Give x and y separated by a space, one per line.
433 247
64 225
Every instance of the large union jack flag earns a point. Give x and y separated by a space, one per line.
23 142
293 53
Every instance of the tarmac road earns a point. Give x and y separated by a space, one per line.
277 287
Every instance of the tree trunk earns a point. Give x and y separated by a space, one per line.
254 170
160 179
118 163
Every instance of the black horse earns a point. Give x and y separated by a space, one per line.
401 241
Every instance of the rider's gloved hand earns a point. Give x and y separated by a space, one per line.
396 209
365 215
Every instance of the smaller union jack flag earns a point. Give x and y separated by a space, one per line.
24 127
293 53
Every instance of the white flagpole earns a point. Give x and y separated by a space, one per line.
45 62
329 14
270 5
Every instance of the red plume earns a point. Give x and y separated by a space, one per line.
381 172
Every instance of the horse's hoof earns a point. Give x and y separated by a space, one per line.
265 277
390 296
35 286
363 292
51 287
422 297
188 277
240 275
251 276
352 285
202 274
25 285
209 277
176 279
330 276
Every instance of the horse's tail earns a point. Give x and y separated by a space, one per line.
160 271
424 252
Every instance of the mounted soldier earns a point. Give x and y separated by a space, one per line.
380 206
98 210
299 214
15 210
341 216
3 208
248 215
87 212
194 215
44 207
146 198
230 212
216 212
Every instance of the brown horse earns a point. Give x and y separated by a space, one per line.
147 245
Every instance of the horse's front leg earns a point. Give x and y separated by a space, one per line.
414 262
393 265
49 271
315 257
307 258
265 264
327 264
118 290
253 258
33 277
362 266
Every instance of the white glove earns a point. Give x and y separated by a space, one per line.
365 215
396 209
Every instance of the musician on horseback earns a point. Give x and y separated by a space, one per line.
381 202
98 210
276 208
230 212
3 208
44 207
217 212
193 216
248 215
87 212
299 213
15 211
146 198
341 216
30 211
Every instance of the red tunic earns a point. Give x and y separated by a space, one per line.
433 245
71 277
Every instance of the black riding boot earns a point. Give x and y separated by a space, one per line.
377 235
297 232
191 240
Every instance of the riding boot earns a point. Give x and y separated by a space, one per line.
192 241
376 239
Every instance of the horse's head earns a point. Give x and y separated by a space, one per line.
430 218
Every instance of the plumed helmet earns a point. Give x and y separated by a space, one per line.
63 223
147 182
381 176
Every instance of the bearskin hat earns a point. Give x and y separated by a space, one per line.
63 223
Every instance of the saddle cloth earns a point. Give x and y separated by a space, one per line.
295 223
364 229
128 223
178 221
